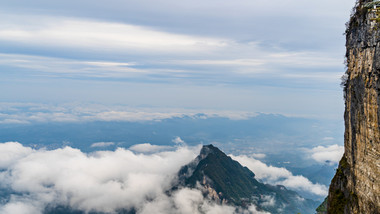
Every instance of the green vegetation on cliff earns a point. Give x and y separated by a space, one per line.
337 199
322 209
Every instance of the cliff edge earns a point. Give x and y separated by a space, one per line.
356 185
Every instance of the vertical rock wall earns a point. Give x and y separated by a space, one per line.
356 185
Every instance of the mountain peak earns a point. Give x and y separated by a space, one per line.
224 180
206 149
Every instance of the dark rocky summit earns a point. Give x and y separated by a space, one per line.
225 181
356 185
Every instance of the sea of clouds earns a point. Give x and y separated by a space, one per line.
106 181
103 181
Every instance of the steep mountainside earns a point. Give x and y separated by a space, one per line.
226 181
356 185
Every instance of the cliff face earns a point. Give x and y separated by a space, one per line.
356 185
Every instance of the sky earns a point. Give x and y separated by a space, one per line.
283 57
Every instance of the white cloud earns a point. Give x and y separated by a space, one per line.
191 201
268 201
28 113
148 148
330 154
178 141
299 182
238 58
19 205
280 176
253 209
102 144
103 181
25 113
262 171
258 155
11 152
132 116
187 201
260 63
50 31
52 66
13 121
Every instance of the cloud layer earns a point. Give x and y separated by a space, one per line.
331 154
25 113
148 148
198 55
75 33
280 176
104 181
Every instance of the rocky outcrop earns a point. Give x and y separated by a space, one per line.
225 181
356 185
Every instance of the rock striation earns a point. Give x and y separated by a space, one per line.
356 185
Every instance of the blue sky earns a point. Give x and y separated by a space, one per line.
282 57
